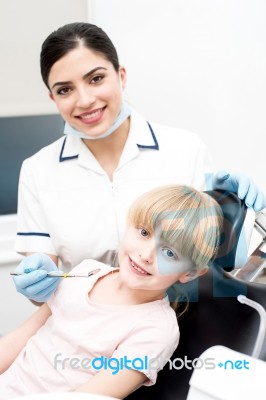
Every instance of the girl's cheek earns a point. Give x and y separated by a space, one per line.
166 267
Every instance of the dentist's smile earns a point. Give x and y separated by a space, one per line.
92 116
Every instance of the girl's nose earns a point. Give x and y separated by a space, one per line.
147 253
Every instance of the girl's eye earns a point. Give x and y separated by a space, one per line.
143 232
64 90
97 79
169 253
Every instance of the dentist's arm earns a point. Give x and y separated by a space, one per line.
12 344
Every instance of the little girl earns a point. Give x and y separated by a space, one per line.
105 332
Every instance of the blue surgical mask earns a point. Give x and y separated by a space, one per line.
122 116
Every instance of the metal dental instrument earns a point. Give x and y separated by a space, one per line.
262 327
55 274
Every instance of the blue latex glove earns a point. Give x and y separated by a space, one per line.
243 186
36 285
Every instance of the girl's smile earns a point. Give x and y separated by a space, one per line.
137 269
139 255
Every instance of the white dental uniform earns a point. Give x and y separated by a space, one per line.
68 206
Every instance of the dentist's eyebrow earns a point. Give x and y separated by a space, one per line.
87 75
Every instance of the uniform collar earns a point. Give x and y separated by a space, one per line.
141 133
69 149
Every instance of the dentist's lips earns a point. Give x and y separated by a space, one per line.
137 269
92 116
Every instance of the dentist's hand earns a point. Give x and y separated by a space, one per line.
245 188
36 285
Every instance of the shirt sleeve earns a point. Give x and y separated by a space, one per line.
149 347
32 232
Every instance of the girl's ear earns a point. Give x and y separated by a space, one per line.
189 276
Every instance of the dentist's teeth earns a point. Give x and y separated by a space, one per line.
88 116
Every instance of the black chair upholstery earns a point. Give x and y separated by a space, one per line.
214 316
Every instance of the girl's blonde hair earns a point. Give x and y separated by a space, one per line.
187 219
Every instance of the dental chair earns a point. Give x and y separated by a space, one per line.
215 319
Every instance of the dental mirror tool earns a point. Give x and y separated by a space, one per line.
58 274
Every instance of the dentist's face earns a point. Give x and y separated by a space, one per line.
148 263
87 90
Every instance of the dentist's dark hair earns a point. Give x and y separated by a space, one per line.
69 37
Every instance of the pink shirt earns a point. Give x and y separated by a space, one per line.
80 337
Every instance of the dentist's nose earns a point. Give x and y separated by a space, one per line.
85 98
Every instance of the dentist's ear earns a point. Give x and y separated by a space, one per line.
122 77
50 94
189 276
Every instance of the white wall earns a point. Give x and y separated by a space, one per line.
24 24
199 65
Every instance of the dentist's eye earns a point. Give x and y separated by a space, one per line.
144 232
64 90
97 79
169 253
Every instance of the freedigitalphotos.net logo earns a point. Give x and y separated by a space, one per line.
145 363
199 363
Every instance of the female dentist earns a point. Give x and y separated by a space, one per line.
74 193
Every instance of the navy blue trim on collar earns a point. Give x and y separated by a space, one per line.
141 146
61 158
156 145
33 234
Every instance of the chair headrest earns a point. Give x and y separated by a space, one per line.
238 224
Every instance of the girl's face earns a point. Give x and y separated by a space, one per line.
146 262
87 90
